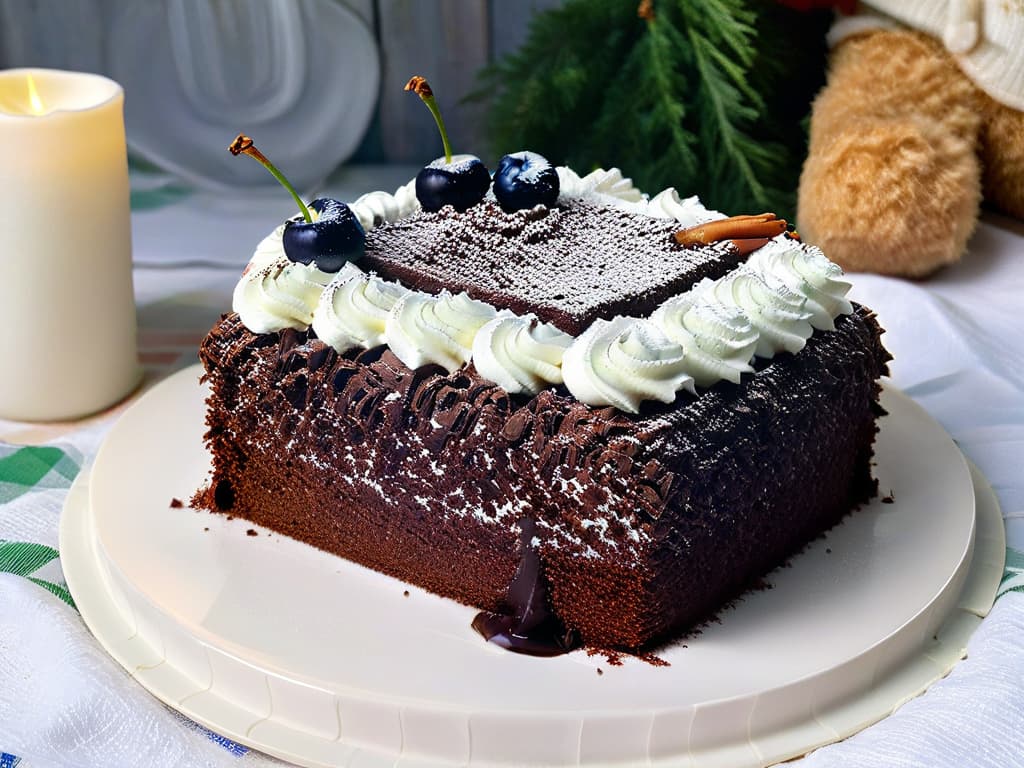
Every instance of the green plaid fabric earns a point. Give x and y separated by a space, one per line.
23 558
28 470
25 470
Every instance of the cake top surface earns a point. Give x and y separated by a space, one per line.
569 264
600 290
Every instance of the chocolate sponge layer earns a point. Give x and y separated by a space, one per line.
644 524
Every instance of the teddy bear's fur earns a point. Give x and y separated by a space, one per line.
903 146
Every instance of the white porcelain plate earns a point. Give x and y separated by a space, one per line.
319 661
299 76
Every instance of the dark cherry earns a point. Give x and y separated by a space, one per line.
462 182
525 179
332 238
327 236
456 180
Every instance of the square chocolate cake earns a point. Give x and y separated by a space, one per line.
591 428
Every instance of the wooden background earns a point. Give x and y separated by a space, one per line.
447 41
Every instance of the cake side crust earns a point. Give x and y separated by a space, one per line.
428 476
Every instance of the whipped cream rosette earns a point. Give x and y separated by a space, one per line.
718 338
610 187
376 208
422 329
776 312
354 309
607 182
624 361
687 211
520 353
276 293
805 270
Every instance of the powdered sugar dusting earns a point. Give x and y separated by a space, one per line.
537 164
568 265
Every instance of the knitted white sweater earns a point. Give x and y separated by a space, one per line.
985 36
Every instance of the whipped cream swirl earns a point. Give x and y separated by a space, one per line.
422 329
776 312
608 186
520 353
376 208
354 309
624 361
276 293
718 338
805 270
689 212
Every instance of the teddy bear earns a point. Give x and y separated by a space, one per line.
921 118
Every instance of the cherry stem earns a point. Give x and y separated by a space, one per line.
421 88
242 145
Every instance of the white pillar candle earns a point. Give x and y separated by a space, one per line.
67 310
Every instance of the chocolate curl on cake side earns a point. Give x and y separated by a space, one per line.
746 233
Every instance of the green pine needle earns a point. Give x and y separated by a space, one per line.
706 97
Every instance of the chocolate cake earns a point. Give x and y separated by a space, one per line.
567 518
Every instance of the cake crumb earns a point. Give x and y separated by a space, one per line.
405 593
890 499
206 529
251 532
653 660
614 658
828 550
176 503
600 671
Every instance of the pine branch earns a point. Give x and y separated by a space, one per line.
663 40
556 79
720 127
701 95
738 164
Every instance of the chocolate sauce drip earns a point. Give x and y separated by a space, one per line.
531 628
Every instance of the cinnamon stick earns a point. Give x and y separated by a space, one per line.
749 244
764 225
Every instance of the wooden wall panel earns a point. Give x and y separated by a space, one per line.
446 41
59 34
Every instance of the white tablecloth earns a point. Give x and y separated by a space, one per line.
958 349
